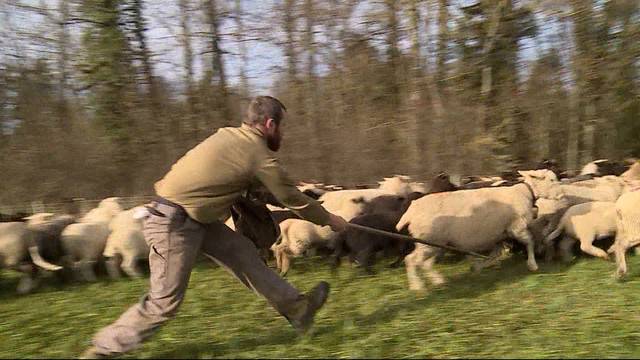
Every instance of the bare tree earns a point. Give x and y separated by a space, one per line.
240 39
217 64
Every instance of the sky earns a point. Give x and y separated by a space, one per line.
264 58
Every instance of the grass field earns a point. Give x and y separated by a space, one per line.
575 310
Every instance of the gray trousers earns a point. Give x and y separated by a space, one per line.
175 240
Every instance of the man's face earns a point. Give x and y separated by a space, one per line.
273 134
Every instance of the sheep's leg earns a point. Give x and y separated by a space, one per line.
113 268
86 269
620 248
365 258
494 258
278 256
335 263
422 257
586 245
549 252
28 281
433 275
397 262
405 250
130 266
285 263
411 262
566 246
621 261
338 252
520 232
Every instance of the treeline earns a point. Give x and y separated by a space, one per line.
373 88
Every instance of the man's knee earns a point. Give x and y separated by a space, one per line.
161 309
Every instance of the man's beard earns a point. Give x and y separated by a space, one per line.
273 142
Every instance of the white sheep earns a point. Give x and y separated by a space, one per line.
628 229
474 220
126 241
84 241
585 222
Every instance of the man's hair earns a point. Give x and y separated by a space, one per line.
262 107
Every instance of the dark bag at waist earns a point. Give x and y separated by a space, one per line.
160 200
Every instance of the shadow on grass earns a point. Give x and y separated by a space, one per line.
52 283
466 285
227 349
65 281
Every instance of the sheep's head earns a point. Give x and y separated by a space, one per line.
398 184
543 182
140 212
418 187
111 206
39 219
633 173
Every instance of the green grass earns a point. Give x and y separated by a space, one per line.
576 310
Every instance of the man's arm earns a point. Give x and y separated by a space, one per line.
278 182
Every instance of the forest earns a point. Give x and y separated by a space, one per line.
99 97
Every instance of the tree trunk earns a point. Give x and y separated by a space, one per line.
217 64
187 63
290 52
244 60
443 41
63 57
415 132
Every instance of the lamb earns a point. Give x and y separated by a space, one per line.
296 237
628 229
585 222
474 220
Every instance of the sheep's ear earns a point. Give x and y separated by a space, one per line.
550 175
539 174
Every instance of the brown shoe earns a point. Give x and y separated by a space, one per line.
92 353
312 301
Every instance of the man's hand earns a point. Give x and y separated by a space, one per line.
337 223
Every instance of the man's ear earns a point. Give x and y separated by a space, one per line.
270 123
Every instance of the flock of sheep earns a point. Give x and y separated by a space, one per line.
532 209
53 242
